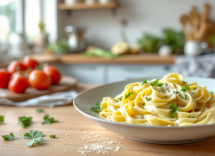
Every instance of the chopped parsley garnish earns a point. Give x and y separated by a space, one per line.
176 92
147 98
184 82
52 136
8 137
174 109
144 104
116 100
144 81
97 107
40 110
193 116
212 92
156 83
194 88
48 120
128 95
168 91
185 97
185 88
166 85
35 135
156 107
25 121
120 98
1 118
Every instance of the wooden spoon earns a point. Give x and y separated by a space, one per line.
185 22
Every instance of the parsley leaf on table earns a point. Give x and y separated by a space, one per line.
185 88
97 107
1 118
35 135
48 120
8 137
144 81
25 121
174 109
40 110
52 136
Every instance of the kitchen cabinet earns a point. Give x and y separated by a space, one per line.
100 73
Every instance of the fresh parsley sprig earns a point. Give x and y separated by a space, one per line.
39 110
174 109
156 83
211 92
185 88
8 137
35 135
144 81
147 98
97 108
1 118
25 121
52 136
48 120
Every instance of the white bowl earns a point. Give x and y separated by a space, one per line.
151 134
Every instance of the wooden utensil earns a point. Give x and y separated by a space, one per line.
66 83
194 21
185 23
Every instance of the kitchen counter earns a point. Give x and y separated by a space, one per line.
74 131
124 59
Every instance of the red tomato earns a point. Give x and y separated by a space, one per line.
13 66
53 73
39 80
24 73
29 62
18 84
4 78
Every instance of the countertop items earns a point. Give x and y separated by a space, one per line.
124 59
73 131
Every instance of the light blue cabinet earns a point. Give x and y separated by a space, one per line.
100 73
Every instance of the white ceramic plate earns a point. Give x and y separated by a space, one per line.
151 134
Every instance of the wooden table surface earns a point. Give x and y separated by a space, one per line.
70 132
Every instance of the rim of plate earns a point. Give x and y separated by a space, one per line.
135 125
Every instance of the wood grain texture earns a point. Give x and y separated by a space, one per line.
73 124
66 83
84 6
124 59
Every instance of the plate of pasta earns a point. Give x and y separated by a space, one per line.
164 110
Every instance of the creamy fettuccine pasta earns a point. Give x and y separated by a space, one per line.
166 102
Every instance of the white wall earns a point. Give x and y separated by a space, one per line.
103 28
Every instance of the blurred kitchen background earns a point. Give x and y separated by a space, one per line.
103 41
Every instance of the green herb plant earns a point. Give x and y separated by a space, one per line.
1 119
25 121
48 120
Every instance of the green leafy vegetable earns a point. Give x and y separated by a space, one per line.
25 121
8 137
1 118
60 47
128 95
144 81
34 141
48 120
51 106
174 109
147 98
52 136
40 110
99 53
185 88
97 107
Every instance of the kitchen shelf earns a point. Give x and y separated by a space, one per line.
84 6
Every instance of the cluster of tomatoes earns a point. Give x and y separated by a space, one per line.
28 73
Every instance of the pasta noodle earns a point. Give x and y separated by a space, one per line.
166 102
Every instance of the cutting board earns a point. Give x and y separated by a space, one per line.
66 83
